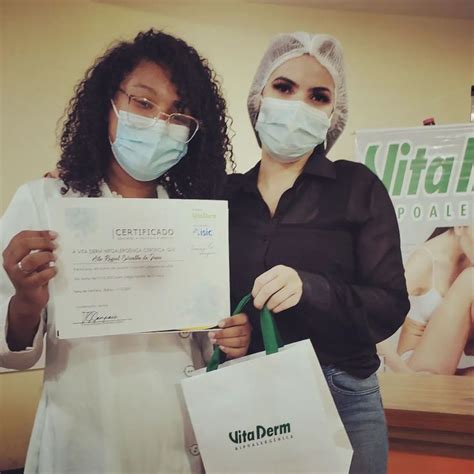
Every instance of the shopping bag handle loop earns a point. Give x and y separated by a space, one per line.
271 337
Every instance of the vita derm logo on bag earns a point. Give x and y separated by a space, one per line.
260 436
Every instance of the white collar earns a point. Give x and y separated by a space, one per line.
108 193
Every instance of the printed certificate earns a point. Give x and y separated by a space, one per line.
137 265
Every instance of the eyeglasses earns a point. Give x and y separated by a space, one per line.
143 113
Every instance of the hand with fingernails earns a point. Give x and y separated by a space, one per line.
233 338
280 288
29 263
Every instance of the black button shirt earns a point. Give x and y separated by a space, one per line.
337 228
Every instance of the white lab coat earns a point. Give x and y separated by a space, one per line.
109 404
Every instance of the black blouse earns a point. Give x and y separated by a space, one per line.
337 228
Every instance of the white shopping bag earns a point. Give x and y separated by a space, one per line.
268 413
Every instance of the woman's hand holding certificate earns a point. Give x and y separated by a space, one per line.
28 261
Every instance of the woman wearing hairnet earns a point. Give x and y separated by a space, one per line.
317 241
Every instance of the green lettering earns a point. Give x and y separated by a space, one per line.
416 167
417 212
370 158
390 165
446 165
433 212
466 168
397 188
402 166
261 432
270 431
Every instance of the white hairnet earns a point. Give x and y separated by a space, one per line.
327 50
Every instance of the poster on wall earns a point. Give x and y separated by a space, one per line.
428 172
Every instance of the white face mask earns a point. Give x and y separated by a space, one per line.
290 129
147 153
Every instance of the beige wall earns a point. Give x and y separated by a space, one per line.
401 69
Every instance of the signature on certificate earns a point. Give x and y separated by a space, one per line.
94 317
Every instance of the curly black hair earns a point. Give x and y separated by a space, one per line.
85 146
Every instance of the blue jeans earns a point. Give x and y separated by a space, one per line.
360 407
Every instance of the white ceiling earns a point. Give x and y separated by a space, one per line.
463 9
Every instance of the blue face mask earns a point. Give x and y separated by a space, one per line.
146 153
290 129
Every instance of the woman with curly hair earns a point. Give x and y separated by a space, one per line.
147 121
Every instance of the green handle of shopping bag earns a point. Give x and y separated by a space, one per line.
271 337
